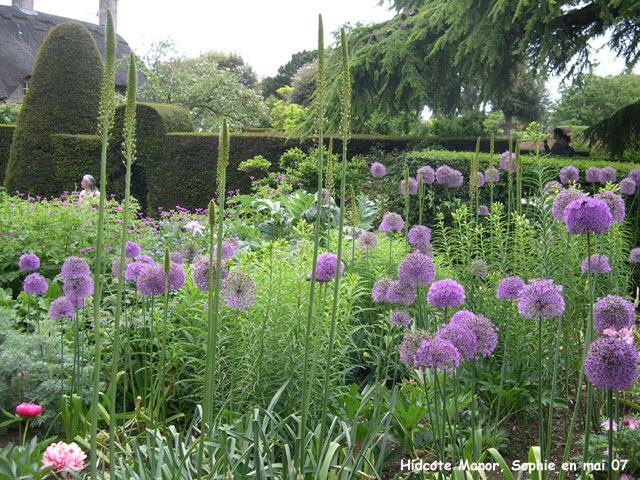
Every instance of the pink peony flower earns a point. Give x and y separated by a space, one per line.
630 422
64 456
28 409
605 425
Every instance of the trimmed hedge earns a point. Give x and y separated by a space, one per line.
73 157
6 135
63 98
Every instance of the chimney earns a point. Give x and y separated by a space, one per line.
102 15
24 5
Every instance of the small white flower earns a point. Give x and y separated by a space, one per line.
194 227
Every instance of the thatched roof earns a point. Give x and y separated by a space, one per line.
21 35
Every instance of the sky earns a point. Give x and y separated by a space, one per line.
264 33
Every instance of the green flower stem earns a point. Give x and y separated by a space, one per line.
610 435
540 406
502 367
587 423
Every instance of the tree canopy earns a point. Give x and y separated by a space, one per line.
287 72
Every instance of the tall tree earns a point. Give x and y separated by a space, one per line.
287 72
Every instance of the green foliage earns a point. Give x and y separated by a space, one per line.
286 72
257 163
9 113
24 463
63 98
285 116
6 135
619 133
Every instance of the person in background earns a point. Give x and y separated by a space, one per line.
559 138
89 189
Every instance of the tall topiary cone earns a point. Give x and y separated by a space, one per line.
63 97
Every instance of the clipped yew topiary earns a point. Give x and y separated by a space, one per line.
63 97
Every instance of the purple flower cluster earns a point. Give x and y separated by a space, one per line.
326 267
492 175
151 280
461 337
506 164
613 312
391 222
378 169
413 186
615 203
176 257
509 288
61 308
35 284
401 318
419 235
77 283
437 353
132 249
634 255
480 181
200 269
189 251
400 293
427 174
593 175
483 329
627 186
541 299
115 267
449 176
367 240
564 198
416 270
478 268
29 262
445 293
133 270
599 264
587 215
228 249
569 174
74 268
552 187
410 344
609 174
611 364
380 289
239 290
483 211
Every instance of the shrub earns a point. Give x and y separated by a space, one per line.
6 134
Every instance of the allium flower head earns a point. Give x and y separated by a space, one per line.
62 456
634 255
445 293
132 249
609 174
380 289
463 316
74 268
228 249
599 264
326 267
401 318
455 179
480 179
507 165
400 293
587 215
635 176
239 290
541 299
509 288
492 175
29 262
478 268
611 364
176 257
427 174
175 279
410 344
151 281
419 235
442 173
462 338
437 353
615 203
367 240
569 174
413 186
416 270
483 329
378 169
483 211
61 308
391 222
134 269
613 312
552 186
564 198
115 267
35 284
594 175
425 250
77 289
200 269
627 186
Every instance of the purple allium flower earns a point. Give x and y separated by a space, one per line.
609 174
410 344
189 251
400 293
115 267
634 255
593 175
367 240
541 299
146 259
483 211
419 235
492 175
413 186
615 203
200 269
326 267
35 284
176 257
480 179
77 289
228 249
239 290
391 222
378 169
478 268
401 318
427 174
455 179
635 176
461 337
483 329
564 198
611 364
627 186
437 353
61 308
425 250
326 195
599 264
445 293
29 262
74 268
132 249
442 174
462 316
150 282
613 312
509 288
587 215
134 269
416 270
569 174
507 165
175 279
380 289
549 187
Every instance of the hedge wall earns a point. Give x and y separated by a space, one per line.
6 135
73 157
